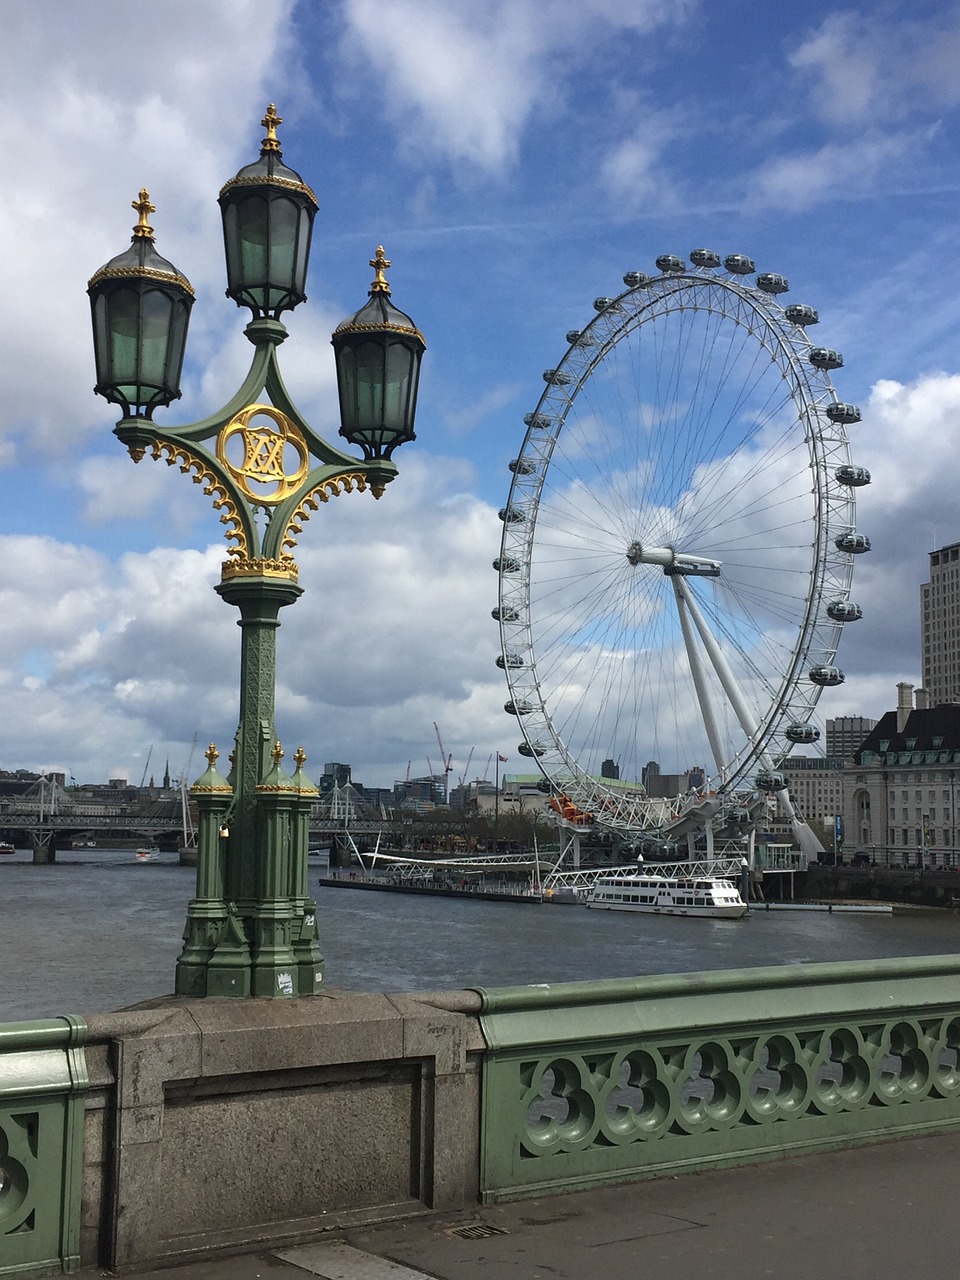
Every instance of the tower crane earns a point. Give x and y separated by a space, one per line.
465 777
447 763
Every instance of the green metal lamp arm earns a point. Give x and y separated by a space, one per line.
322 484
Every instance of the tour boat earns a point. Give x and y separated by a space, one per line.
6 847
147 855
668 895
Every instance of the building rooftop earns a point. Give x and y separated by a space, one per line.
934 729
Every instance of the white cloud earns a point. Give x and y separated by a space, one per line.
869 67
392 633
98 131
837 170
468 80
634 170
910 442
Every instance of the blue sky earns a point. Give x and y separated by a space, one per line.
514 159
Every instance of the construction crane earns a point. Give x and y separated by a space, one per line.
486 772
465 776
447 763
145 768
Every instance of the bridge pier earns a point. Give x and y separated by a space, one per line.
187 857
44 853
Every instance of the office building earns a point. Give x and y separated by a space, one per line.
940 627
845 735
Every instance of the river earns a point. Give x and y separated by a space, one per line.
99 931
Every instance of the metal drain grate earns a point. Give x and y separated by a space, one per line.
477 1231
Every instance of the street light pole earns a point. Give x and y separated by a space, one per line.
251 930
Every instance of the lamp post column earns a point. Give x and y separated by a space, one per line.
259 599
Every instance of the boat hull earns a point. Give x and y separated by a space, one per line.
733 912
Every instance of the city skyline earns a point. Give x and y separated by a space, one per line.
514 164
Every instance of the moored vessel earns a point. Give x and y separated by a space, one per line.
711 896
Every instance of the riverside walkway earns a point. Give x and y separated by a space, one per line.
869 1211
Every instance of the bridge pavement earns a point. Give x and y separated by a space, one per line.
858 1214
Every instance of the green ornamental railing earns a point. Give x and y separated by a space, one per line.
42 1081
587 1083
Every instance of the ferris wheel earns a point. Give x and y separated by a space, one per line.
678 541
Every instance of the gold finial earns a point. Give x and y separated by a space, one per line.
380 264
300 757
143 208
212 755
277 752
270 121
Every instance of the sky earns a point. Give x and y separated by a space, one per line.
515 158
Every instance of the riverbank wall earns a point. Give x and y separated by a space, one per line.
911 887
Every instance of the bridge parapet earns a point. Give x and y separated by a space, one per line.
586 1083
323 1114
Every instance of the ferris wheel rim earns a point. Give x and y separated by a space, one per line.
817 635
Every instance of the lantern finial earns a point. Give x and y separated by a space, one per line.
143 208
380 263
270 121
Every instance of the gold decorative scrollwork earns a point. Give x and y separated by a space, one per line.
332 487
213 486
260 468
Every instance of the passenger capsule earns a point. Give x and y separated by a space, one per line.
739 265
511 515
529 749
577 338
771 282
800 313
704 258
772 780
844 611
805 733
825 358
602 304
558 377
538 421
511 660
853 476
668 262
522 467
518 708
506 613
827 677
636 279
544 785
506 564
855 543
843 413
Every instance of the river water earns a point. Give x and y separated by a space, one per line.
99 931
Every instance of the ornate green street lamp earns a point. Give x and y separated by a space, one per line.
252 927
